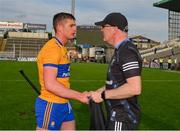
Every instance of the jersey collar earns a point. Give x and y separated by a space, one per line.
58 40
122 43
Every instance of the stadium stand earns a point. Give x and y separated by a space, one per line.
24 47
163 50
169 50
1 42
21 40
143 42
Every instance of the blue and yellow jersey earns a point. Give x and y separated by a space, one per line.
55 55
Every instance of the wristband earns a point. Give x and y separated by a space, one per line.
103 95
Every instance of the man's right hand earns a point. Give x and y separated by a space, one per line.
84 97
96 96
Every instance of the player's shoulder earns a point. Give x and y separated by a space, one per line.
133 48
129 52
127 48
51 45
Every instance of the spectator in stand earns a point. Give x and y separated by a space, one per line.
175 63
145 62
172 51
155 50
161 60
169 63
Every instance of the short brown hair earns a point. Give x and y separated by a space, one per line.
61 16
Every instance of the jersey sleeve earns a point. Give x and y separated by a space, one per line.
51 57
130 64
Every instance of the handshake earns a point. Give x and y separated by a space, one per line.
97 96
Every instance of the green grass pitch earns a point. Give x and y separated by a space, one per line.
160 98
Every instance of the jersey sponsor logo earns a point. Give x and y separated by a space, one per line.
63 70
130 65
66 75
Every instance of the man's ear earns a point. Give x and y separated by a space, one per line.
59 27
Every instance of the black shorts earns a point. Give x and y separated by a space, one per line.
119 120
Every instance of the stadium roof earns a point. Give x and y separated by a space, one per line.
173 5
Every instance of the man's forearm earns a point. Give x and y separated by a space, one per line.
125 91
60 90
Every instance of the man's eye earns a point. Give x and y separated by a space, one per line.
72 25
